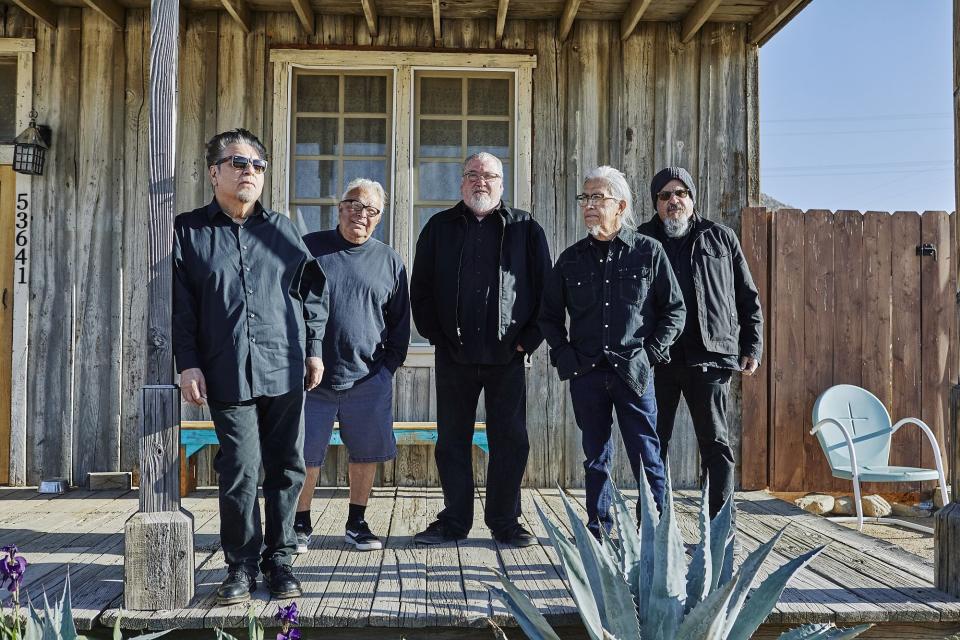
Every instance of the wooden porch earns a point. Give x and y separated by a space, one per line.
857 579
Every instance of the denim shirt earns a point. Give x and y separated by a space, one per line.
625 306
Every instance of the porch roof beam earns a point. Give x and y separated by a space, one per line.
370 14
566 19
437 34
632 16
240 11
772 19
305 13
502 6
42 10
696 18
111 10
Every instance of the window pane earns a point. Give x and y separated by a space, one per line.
317 179
318 93
365 94
440 138
364 137
488 97
317 136
8 100
370 169
316 218
441 95
492 137
439 181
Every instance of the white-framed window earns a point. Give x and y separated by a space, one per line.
406 119
8 98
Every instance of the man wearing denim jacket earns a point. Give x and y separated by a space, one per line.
625 310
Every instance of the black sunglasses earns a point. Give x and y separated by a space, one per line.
680 193
241 162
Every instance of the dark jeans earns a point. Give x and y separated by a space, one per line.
267 430
596 396
458 391
706 395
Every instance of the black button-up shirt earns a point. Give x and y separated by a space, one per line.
479 289
248 304
624 304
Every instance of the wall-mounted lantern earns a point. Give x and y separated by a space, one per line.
30 148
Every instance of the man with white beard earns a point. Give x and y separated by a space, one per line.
475 295
625 311
723 331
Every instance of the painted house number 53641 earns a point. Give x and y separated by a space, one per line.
23 221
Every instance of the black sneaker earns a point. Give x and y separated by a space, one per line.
359 535
238 586
437 533
281 581
516 536
303 538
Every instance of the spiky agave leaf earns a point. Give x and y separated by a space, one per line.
746 576
520 607
669 585
699 572
618 611
254 628
764 597
629 542
68 630
826 631
576 577
649 519
706 620
721 545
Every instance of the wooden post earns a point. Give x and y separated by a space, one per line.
158 540
946 560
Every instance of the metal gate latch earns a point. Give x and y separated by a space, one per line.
927 249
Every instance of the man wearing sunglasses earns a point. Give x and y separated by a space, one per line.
475 293
723 331
368 331
248 320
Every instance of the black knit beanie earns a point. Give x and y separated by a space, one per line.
668 174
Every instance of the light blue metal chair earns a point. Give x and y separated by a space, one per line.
854 430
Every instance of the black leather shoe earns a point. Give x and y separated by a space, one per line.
281 581
516 536
238 586
437 533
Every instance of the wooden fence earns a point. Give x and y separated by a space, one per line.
849 297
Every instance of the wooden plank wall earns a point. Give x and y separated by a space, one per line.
852 303
639 104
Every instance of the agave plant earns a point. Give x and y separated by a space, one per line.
643 586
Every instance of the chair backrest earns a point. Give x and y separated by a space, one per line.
865 418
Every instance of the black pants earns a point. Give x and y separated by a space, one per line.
706 395
267 430
458 391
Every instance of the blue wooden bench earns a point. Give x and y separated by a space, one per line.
197 434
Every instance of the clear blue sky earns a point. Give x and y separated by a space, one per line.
856 109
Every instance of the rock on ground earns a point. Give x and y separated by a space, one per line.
816 503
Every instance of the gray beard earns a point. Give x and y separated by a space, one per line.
594 230
481 203
675 228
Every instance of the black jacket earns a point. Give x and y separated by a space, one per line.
435 281
625 307
728 305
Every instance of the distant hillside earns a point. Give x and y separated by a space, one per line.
772 203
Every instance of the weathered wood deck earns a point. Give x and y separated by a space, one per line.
857 579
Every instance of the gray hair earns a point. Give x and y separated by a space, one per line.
483 155
219 143
369 185
619 189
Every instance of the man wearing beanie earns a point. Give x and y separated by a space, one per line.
724 325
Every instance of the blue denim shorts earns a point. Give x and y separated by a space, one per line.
365 414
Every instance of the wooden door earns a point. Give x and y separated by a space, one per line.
8 183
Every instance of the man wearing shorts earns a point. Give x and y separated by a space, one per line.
366 340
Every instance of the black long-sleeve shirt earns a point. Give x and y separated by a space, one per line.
624 304
369 304
478 303
248 302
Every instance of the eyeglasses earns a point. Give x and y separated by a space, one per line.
473 176
240 163
357 206
663 196
592 198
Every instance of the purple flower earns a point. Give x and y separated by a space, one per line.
288 615
12 568
292 634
